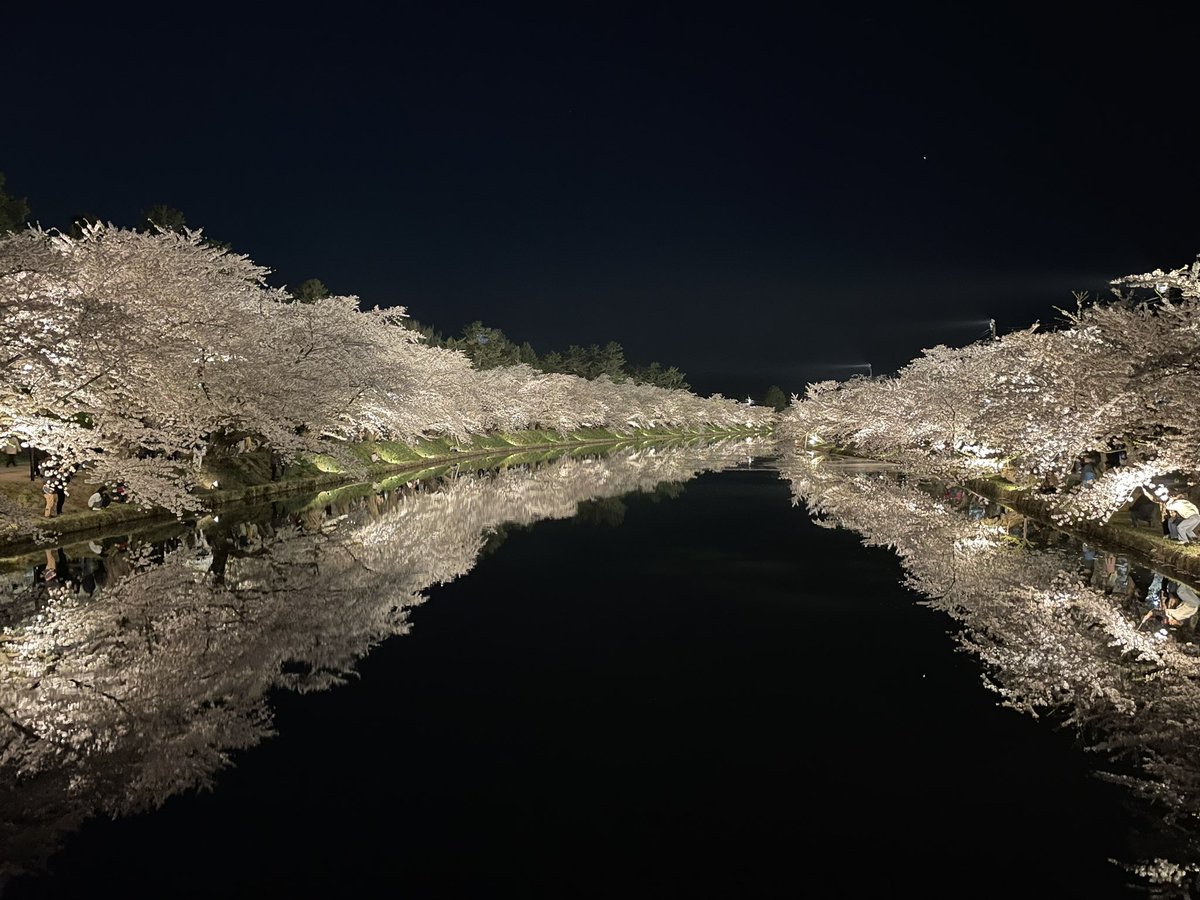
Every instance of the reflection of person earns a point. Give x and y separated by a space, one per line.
1155 622
1111 575
1183 604
311 518
1154 592
55 571
91 574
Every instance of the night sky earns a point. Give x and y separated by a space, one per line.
755 197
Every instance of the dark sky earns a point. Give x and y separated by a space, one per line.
754 197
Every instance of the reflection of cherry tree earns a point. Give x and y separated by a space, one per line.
116 701
1030 403
1050 642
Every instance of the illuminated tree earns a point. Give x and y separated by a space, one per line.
134 353
1031 403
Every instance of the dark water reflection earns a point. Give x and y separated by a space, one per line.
1083 637
691 690
133 669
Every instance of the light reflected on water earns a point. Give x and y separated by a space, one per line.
135 670
1060 628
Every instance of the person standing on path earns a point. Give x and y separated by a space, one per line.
50 495
55 476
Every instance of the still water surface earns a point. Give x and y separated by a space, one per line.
659 678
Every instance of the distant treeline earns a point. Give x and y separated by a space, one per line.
489 348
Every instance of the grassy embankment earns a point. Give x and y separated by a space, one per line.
246 477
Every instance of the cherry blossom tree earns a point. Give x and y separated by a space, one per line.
1031 403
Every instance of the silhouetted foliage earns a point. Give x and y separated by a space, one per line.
311 290
670 378
606 512
166 217
775 398
432 336
489 348
14 211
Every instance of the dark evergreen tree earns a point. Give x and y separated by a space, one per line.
165 217
311 290
14 211
486 347
776 398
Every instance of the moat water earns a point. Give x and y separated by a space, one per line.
646 675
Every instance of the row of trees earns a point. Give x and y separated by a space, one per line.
1029 404
136 352
485 346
